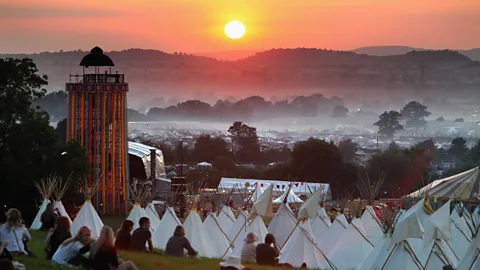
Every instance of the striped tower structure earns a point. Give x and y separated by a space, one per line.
97 119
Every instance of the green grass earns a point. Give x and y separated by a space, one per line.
142 260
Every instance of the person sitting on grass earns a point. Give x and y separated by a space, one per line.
265 253
178 243
104 255
124 238
70 251
15 233
56 236
141 236
248 249
48 218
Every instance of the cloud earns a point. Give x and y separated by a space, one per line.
8 11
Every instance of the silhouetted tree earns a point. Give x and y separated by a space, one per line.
207 148
389 124
245 141
415 114
224 163
55 104
440 119
348 149
458 149
339 111
61 131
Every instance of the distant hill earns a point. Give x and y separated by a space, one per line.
153 73
473 54
227 55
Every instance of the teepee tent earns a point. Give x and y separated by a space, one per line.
461 234
165 228
59 192
291 197
302 248
152 215
471 260
321 223
45 187
257 193
256 226
197 235
237 226
226 218
220 241
138 194
88 216
282 224
327 240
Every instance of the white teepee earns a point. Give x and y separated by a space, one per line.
226 218
372 225
237 226
352 244
165 228
302 248
291 197
471 260
282 224
136 214
327 240
461 234
320 223
45 187
59 192
220 242
257 193
257 226
88 216
197 235
153 216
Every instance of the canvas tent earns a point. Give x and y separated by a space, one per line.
461 234
237 226
197 235
372 225
226 218
302 248
291 197
471 260
463 186
59 192
88 216
45 187
220 242
327 240
165 228
257 226
256 194
282 224
152 215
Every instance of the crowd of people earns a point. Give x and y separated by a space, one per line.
79 250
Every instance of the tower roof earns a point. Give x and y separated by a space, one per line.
96 58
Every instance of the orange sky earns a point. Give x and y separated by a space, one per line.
197 25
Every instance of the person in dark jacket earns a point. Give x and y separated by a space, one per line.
55 237
124 237
178 243
48 218
142 236
103 254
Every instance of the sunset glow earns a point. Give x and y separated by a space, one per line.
234 29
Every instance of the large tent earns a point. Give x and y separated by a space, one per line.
256 194
257 226
463 186
471 260
87 216
372 225
326 240
197 235
282 224
152 215
291 197
136 214
237 226
461 234
165 228
226 218
220 242
321 223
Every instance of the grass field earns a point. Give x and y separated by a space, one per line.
142 260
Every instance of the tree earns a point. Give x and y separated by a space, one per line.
61 131
245 142
415 114
339 111
458 149
207 148
29 147
389 124
440 119
224 163
459 120
55 104
348 149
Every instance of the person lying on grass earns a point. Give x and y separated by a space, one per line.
103 254
178 243
142 236
57 236
124 237
71 251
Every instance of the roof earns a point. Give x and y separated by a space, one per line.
143 152
96 58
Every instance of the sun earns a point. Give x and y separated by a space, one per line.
234 29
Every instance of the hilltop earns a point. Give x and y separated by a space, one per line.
473 54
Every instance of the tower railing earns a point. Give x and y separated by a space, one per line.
97 78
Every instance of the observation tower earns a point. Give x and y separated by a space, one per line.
97 119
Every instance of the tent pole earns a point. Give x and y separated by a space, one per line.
288 238
233 241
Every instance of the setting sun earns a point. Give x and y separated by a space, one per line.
234 29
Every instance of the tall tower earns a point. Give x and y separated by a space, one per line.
97 119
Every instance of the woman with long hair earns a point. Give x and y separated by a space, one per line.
177 244
69 251
55 237
15 233
124 235
104 255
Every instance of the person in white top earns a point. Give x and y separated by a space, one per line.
15 233
69 251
